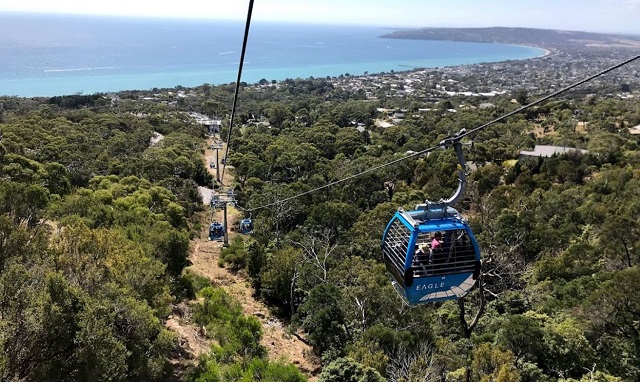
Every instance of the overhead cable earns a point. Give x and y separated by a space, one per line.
235 95
447 141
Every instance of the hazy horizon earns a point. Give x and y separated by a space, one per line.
390 27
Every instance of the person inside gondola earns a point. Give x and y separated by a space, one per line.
437 251
436 243
421 256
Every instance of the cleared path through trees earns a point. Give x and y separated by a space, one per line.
204 261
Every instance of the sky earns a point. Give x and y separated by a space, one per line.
616 16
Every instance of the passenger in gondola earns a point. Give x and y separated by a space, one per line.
437 251
421 256
436 243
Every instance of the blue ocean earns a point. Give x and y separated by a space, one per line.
46 55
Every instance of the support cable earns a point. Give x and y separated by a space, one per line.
235 96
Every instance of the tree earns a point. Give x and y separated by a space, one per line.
318 251
414 366
280 279
265 371
367 296
365 232
323 320
346 370
235 255
491 364
523 336
332 218
171 246
521 95
23 203
256 369
569 351
85 319
348 141
278 114
280 213
613 313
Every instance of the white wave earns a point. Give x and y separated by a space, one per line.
229 52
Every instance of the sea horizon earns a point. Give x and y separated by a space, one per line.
49 55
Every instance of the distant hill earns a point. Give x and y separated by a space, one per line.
522 36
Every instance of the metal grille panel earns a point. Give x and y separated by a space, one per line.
457 254
395 245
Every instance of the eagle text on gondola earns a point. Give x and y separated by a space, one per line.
430 286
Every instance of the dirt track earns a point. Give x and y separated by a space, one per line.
204 261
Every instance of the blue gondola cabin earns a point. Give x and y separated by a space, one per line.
246 226
431 254
216 231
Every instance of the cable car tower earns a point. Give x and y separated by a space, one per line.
430 251
217 146
221 199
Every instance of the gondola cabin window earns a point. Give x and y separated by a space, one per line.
456 254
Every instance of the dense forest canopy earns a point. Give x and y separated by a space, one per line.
95 227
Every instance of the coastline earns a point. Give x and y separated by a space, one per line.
76 82
321 51
546 51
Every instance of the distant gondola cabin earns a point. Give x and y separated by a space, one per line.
216 231
246 226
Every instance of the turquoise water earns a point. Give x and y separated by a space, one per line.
46 55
